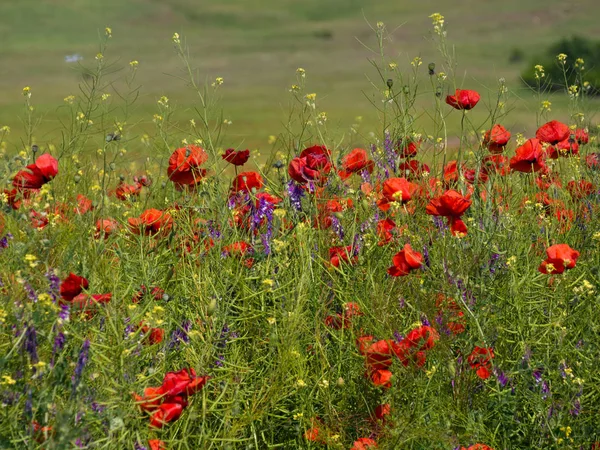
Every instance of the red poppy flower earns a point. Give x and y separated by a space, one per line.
381 377
451 204
151 222
408 148
183 382
87 303
167 412
356 160
404 261
35 175
463 99
39 220
105 227
451 173
156 293
239 248
84 204
480 359
382 411
396 190
247 182
553 132
339 254
12 198
497 164
580 189
422 338
529 157
477 447
413 169
72 286
384 231
566 148
126 191
157 444
496 138
560 258
153 335
151 399
237 158
592 160
379 355
185 166
313 164
363 343
582 136
364 444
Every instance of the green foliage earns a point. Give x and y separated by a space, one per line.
560 76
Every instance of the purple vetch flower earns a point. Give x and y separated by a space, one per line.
180 334
139 446
440 224
59 343
545 390
337 227
54 284
398 337
357 244
63 314
389 147
29 403
501 377
30 344
401 302
576 410
365 175
426 256
81 362
295 193
425 321
97 408
492 263
4 241
31 295
537 374
213 231
219 361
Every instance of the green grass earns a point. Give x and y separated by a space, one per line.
257 45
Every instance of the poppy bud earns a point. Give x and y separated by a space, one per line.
166 297
34 148
278 164
431 68
112 166
438 92
121 178
77 179
212 307
406 89
390 83
340 381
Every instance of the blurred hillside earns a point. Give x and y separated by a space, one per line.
256 46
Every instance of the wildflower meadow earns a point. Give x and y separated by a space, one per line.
428 283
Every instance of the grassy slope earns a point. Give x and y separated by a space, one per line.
257 49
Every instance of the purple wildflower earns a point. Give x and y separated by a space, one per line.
576 410
30 344
426 256
63 314
337 227
81 362
296 193
59 343
501 376
180 334
31 295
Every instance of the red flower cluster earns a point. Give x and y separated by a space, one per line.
354 162
337 255
480 361
166 402
451 204
71 292
379 354
151 222
560 258
35 175
496 139
344 320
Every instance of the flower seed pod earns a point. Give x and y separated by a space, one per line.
431 68
390 83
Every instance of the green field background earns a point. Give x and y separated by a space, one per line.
256 47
